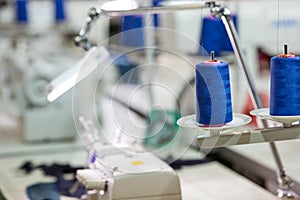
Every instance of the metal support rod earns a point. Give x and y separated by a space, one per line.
231 31
154 10
94 13
242 62
277 157
149 39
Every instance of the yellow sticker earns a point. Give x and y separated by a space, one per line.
136 163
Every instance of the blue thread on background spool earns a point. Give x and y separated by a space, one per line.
60 10
21 11
132 31
285 86
126 67
156 3
213 95
214 36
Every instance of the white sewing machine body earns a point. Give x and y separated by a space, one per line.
41 120
117 171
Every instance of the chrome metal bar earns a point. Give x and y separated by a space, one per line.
154 10
242 61
276 156
150 42
94 13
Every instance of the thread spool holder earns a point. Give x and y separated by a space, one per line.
216 139
238 120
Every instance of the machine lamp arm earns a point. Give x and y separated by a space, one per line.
81 39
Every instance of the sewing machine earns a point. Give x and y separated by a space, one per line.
37 51
115 172
37 112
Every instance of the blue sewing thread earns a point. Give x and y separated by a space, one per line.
132 31
214 36
60 10
213 95
156 3
21 11
93 157
285 86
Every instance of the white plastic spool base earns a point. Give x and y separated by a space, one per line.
237 121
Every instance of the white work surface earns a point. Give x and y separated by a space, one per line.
214 181
207 181
261 153
13 182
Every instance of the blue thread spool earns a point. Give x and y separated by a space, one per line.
213 95
21 11
132 32
285 85
156 3
214 36
60 10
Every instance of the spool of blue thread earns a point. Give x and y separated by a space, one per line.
21 11
59 10
132 32
213 94
156 3
214 36
285 85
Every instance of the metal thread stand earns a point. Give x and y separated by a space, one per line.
219 11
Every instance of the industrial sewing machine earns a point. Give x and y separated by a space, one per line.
37 50
115 171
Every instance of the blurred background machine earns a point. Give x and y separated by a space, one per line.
37 45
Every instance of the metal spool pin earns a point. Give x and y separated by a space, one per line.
212 56
285 49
